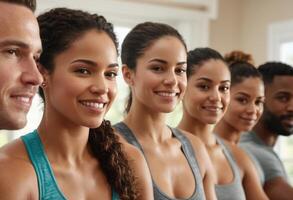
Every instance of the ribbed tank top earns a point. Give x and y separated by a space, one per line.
47 185
234 190
188 152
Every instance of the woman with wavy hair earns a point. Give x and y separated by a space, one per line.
74 153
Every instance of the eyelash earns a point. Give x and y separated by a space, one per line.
82 71
111 74
14 52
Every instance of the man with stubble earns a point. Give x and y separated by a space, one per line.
20 48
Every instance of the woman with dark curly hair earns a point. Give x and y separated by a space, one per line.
74 153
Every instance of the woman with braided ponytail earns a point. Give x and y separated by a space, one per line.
74 153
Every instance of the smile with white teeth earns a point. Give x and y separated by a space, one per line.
167 94
212 108
93 104
23 99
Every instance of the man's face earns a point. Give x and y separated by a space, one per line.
20 47
278 112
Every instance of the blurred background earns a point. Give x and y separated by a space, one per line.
263 28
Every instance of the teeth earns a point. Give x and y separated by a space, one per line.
93 104
23 99
167 94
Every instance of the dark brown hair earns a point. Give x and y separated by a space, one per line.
241 67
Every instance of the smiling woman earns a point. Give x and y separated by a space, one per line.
73 143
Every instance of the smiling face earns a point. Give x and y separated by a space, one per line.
246 105
82 86
278 112
20 46
159 80
207 93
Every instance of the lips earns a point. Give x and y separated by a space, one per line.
213 109
249 120
23 101
167 94
94 105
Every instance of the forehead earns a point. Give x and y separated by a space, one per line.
281 83
19 24
213 69
253 86
93 45
167 46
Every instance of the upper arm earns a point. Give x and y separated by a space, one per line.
16 181
141 172
278 189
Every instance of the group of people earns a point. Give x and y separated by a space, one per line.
70 57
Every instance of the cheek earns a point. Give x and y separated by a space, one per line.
225 99
183 85
112 91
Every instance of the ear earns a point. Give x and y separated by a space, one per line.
44 72
128 75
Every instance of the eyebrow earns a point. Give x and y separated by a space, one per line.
209 80
16 43
94 64
165 62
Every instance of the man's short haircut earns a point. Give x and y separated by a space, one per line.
271 69
30 4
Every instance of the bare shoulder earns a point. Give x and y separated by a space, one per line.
17 176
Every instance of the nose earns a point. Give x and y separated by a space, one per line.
215 95
290 105
99 86
31 74
252 108
170 79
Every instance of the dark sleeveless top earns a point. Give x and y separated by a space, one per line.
188 152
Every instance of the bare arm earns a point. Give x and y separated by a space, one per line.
16 181
250 181
278 189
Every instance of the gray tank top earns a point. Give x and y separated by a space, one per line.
187 150
234 190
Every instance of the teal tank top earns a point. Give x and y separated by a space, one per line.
48 187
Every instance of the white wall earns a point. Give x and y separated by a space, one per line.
244 24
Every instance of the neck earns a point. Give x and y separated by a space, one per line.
63 141
227 132
147 125
195 127
265 135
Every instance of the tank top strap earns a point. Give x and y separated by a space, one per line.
230 158
190 155
127 134
48 188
